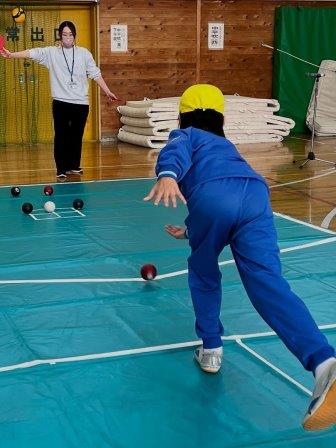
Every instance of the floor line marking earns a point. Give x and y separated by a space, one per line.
273 367
82 182
307 224
332 171
128 352
139 279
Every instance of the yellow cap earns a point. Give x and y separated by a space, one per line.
202 96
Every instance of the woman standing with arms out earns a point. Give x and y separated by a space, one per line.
69 69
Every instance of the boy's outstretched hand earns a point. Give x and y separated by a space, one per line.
177 232
165 190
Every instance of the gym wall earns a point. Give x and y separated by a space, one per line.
167 48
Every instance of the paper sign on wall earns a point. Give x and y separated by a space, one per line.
215 36
119 38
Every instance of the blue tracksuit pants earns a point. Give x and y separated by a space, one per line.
237 211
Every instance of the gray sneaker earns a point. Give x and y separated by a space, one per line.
322 409
77 171
61 176
210 360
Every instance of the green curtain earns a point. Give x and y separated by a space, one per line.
307 33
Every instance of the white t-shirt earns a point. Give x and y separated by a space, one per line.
60 67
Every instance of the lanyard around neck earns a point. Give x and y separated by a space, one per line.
73 62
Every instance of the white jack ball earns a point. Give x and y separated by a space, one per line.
49 206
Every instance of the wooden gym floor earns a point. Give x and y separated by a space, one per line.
309 193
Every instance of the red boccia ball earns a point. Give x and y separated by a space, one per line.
148 272
48 190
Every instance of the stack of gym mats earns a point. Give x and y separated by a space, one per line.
252 120
325 120
247 120
148 122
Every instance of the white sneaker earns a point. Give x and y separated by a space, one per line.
322 409
210 360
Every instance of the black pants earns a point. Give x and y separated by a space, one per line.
69 124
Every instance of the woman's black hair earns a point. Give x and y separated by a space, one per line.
69 25
209 120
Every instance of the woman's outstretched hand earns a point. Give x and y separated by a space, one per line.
111 96
5 53
166 190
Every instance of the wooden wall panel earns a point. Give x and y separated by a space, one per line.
161 60
243 67
162 57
